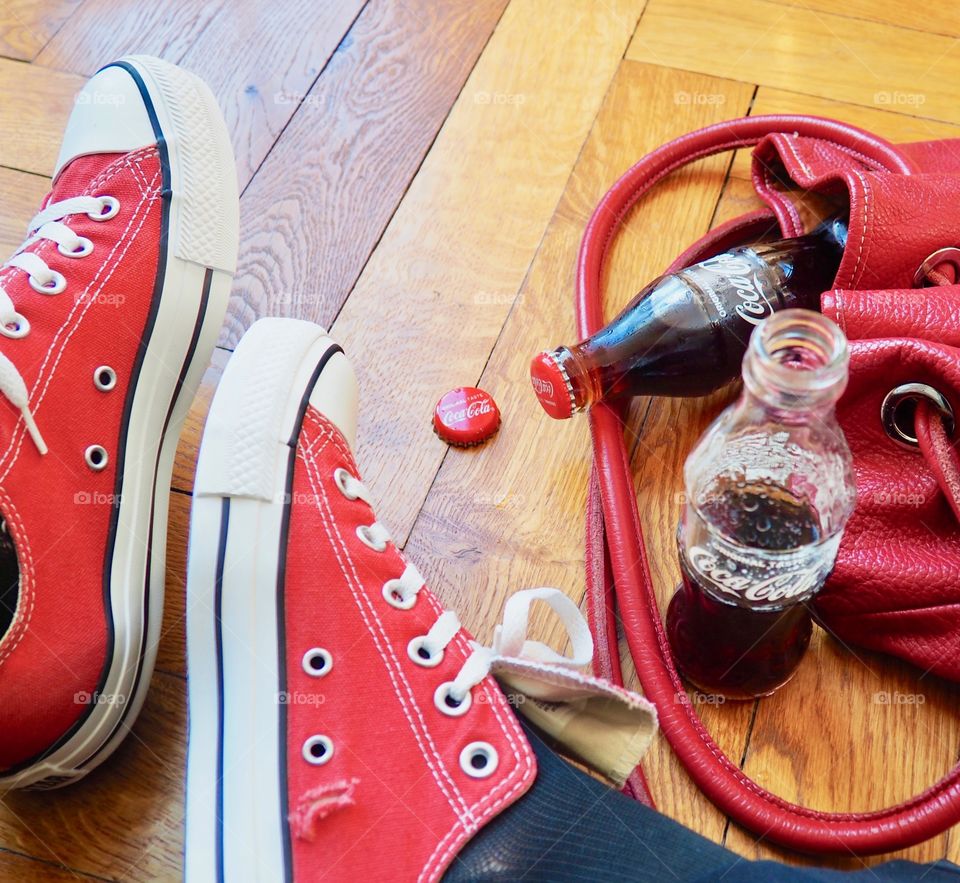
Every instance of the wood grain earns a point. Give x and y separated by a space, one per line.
935 18
896 127
427 309
103 30
33 113
319 205
261 83
510 514
20 198
26 26
866 63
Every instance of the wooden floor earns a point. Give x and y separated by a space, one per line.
417 175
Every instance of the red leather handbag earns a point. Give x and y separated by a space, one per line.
896 585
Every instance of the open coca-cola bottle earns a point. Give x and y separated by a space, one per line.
685 333
769 488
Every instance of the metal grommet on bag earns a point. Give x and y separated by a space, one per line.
899 405
931 262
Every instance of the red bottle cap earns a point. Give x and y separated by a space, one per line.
466 416
552 386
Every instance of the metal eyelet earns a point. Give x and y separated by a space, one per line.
111 205
418 652
448 704
317 662
340 476
896 412
393 596
318 750
18 327
104 378
96 457
363 534
56 284
948 255
479 760
86 246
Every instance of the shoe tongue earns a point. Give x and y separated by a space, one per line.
76 177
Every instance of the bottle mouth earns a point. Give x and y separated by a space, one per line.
798 358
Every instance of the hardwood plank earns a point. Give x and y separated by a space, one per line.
125 820
871 64
520 498
20 198
42 97
261 83
26 26
430 302
23 868
936 18
103 30
890 124
322 199
883 735
171 650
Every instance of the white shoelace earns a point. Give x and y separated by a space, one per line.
510 638
46 225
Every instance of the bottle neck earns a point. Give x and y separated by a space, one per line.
796 364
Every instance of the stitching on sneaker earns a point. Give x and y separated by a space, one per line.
25 559
70 325
375 627
517 777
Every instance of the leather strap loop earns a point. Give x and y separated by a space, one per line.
614 535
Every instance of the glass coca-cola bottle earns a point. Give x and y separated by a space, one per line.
685 333
769 488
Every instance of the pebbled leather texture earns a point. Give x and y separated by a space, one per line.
903 206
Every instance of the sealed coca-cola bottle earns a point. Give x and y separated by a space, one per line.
769 488
686 332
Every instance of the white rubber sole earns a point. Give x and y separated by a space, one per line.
236 810
203 235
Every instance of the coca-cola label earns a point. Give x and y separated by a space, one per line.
541 386
469 411
783 585
742 287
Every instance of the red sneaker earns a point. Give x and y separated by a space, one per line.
110 310
342 726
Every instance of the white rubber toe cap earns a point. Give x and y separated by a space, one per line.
109 117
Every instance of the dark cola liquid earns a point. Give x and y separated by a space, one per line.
685 334
729 648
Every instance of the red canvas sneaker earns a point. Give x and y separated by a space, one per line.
323 677
343 726
108 316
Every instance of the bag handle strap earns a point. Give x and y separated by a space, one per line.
617 557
